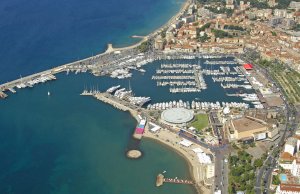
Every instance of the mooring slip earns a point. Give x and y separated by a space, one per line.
160 180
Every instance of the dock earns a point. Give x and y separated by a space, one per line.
160 180
3 95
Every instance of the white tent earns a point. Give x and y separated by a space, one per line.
155 127
186 143
204 158
192 128
198 150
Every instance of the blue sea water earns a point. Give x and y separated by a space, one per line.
39 34
66 143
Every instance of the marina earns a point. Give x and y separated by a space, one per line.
196 105
179 72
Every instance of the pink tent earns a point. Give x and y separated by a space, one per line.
139 130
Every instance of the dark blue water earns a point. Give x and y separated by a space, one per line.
39 34
66 143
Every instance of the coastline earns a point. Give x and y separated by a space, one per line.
196 170
154 33
109 49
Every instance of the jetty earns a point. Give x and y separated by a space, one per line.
160 180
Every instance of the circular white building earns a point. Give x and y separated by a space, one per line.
177 116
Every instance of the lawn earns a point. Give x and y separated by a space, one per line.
282 76
200 122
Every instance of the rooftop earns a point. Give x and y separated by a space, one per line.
246 124
292 141
177 115
290 187
285 156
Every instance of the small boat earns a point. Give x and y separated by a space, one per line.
49 93
164 171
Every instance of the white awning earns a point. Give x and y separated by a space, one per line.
154 128
186 143
192 128
198 150
204 158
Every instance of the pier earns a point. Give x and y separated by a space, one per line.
160 180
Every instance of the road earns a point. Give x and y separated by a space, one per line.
269 164
221 170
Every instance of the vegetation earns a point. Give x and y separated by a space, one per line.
221 34
252 144
259 4
283 4
258 163
222 10
282 75
144 47
234 146
275 180
242 173
163 33
207 25
233 27
200 122
297 27
202 38
211 1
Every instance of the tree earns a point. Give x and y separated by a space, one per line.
221 34
203 38
144 47
258 163
275 180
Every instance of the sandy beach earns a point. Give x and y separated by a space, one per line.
172 140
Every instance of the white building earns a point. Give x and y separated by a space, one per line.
210 171
286 161
291 145
296 167
280 12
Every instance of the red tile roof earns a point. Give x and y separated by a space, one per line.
248 66
290 187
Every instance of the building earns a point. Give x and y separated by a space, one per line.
291 145
248 66
229 4
188 19
177 116
280 13
275 20
286 160
210 170
295 5
288 23
159 43
248 128
288 189
272 3
296 167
